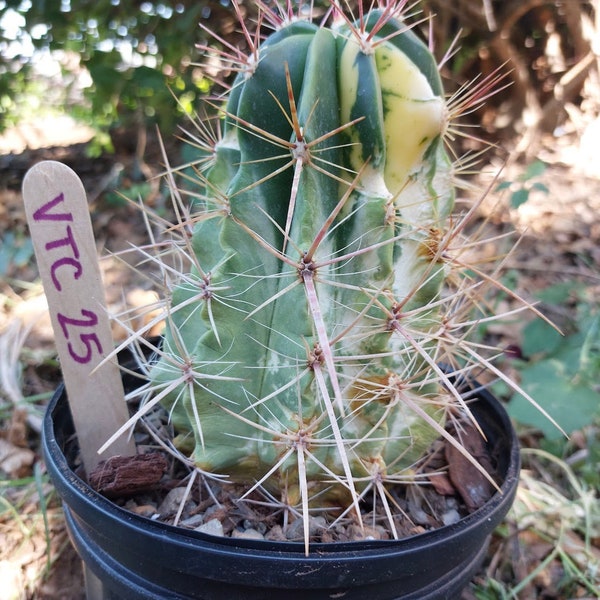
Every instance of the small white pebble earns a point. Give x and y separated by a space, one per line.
247 534
212 527
451 517
172 501
193 522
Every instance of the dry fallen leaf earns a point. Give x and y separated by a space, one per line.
471 484
15 461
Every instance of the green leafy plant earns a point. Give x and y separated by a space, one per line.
315 283
137 57
559 367
528 181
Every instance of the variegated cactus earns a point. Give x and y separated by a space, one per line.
302 350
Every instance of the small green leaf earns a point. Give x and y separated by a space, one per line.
572 405
535 169
559 293
540 187
539 336
505 185
519 197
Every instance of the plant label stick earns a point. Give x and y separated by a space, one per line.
61 230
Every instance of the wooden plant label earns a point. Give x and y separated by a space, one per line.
61 230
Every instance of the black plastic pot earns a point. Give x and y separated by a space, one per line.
130 557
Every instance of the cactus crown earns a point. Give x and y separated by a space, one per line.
303 346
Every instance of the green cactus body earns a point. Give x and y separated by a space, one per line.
292 322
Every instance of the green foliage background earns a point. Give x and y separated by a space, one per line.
507 34
159 37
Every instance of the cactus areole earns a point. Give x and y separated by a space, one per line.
301 352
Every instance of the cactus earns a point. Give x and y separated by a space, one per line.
302 349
